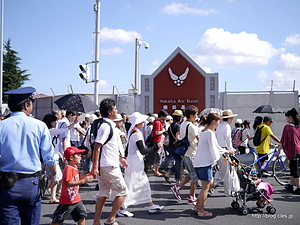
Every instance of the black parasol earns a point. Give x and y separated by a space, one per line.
76 102
268 109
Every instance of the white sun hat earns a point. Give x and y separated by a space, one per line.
136 118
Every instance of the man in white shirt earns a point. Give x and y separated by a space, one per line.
111 155
223 135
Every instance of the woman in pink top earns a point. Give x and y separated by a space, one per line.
290 143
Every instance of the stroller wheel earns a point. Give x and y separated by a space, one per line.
244 211
260 204
271 210
235 205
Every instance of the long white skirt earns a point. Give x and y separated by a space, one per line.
139 191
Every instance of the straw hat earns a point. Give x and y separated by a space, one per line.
136 118
228 113
178 112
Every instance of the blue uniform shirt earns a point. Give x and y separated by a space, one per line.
22 138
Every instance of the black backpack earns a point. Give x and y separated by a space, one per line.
94 129
96 125
257 137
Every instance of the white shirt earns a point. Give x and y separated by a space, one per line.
208 151
223 135
74 134
111 150
192 133
244 137
63 123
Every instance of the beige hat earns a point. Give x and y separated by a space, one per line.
151 119
118 118
178 112
228 113
155 115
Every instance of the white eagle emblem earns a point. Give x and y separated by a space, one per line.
178 80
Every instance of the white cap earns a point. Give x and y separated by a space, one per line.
87 115
118 118
239 121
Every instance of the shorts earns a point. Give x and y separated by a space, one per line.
204 173
58 169
263 159
111 180
76 210
190 168
294 168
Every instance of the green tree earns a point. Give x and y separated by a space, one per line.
13 76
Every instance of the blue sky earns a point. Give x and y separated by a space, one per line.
248 42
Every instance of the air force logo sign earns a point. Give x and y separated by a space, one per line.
178 80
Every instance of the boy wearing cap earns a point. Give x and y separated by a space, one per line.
70 201
264 147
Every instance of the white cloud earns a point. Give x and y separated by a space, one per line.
155 62
119 35
292 40
103 84
289 62
224 49
150 26
288 70
111 51
178 8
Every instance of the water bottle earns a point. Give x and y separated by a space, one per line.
264 165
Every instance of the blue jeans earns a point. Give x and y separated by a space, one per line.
177 167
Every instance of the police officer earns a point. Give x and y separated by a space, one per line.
24 142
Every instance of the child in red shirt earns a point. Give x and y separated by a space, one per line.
70 200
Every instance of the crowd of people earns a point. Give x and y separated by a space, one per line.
118 150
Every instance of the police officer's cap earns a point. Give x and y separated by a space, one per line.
20 93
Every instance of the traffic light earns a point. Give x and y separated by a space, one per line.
85 74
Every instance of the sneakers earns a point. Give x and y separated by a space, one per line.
191 200
210 192
289 187
155 208
175 189
297 191
124 213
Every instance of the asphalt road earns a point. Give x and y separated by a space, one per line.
178 213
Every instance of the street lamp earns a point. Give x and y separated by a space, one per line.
137 48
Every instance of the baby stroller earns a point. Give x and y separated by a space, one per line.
249 190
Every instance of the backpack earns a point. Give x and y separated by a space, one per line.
182 145
149 140
237 138
96 125
257 137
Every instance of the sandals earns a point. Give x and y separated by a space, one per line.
56 201
167 179
206 213
111 223
158 174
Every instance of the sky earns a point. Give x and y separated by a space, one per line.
250 43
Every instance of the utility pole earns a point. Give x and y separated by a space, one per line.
97 49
